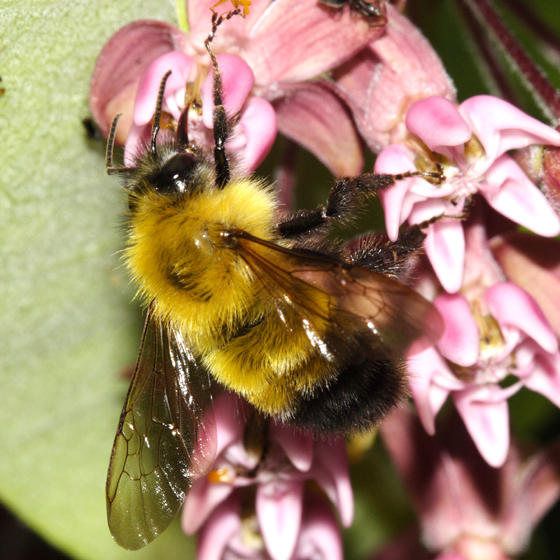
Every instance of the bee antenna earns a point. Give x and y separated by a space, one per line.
111 170
157 115
220 118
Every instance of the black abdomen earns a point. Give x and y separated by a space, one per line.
357 399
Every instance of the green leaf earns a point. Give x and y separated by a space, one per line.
68 327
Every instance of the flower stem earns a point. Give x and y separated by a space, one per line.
493 73
546 95
182 18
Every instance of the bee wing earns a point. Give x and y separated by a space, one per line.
399 318
164 437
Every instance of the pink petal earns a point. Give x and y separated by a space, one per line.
330 469
511 192
229 417
203 497
258 122
486 418
534 264
460 340
352 85
319 535
295 41
430 482
297 445
395 159
445 247
477 547
420 369
545 378
237 454
428 205
501 126
513 306
279 506
237 82
222 526
537 491
119 67
232 32
424 368
136 141
438 123
205 449
481 269
311 115
379 85
180 65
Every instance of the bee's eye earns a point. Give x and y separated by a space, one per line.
175 175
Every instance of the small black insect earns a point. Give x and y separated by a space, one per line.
372 10
91 129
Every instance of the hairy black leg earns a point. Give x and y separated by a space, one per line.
344 202
221 128
376 252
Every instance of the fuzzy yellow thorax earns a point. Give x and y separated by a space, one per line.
178 258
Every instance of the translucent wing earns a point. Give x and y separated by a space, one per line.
398 318
163 439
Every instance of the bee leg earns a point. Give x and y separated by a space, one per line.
221 127
220 137
345 200
376 252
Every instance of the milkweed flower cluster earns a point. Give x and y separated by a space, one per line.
494 328
333 83
468 510
254 131
468 143
272 55
257 501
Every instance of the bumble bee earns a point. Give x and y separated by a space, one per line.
372 10
309 332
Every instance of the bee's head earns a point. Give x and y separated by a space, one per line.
176 176
172 169
170 172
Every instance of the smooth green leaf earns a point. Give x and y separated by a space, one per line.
68 328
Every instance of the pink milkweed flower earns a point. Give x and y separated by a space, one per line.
230 533
467 509
494 329
252 135
272 483
381 82
469 144
533 263
284 44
